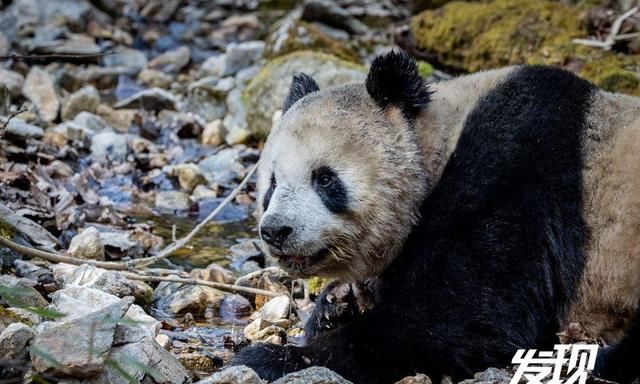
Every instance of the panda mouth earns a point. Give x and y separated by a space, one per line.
299 263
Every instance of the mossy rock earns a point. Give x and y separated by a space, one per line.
476 36
317 284
296 35
265 94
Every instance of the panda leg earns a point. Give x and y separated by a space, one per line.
619 363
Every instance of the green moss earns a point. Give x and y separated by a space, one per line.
317 284
6 230
301 35
425 69
476 36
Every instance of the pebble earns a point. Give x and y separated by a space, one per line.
12 80
86 99
172 61
154 78
212 133
38 88
172 202
274 310
109 146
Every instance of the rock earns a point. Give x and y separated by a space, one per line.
328 12
266 331
417 379
235 123
313 375
15 224
212 133
78 301
154 78
75 45
172 61
23 130
12 80
41 275
275 309
201 192
154 99
214 272
126 60
238 374
197 362
90 124
118 119
14 342
223 168
164 341
266 93
107 281
491 375
237 56
235 307
188 174
21 292
109 146
178 299
79 346
271 279
172 202
87 245
38 88
86 99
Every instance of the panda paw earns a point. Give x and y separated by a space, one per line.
271 361
337 304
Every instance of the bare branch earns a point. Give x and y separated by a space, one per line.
55 56
613 36
5 124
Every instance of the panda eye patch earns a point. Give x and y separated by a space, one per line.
331 189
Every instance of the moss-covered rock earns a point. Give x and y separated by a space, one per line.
472 36
295 35
265 94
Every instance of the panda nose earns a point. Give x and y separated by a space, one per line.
275 235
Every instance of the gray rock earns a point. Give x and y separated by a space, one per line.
87 245
35 233
330 13
86 99
313 375
178 299
72 46
239 374
14 342
91 121
107 281
274 309
235 123
24 130
22 292
109 145
237 57
213 272
155 99
154 78
38 88
12 80
417 379
188 174
172 202
172 61
265 94
79 346
222 168
164 341
126 60
122 241
492 375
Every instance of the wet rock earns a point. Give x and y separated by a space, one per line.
85 99
14 342
154 78
107 281
213 272
23 130
178 299
222 168
172 202
237 56
154 99
12 80
80 346
239 374
109 146
38 88
275 309
313 375
188 174
197 362
87 245
213 133
266 92
417 379
126 61
172 61
330 13
235 307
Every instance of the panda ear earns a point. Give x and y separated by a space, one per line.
301 85
393 80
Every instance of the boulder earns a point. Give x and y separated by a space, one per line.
87 245
266 93
38 88
238 374
313 375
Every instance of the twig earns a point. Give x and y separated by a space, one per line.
181 243
212 284
613 36
55 56
5 124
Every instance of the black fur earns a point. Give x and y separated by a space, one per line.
496 258
393 79
301 85
334 196
269 194
619 363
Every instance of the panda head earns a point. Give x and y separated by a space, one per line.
341 175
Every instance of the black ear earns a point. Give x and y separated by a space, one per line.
301 85
393 79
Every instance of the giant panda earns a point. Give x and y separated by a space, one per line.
474 217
